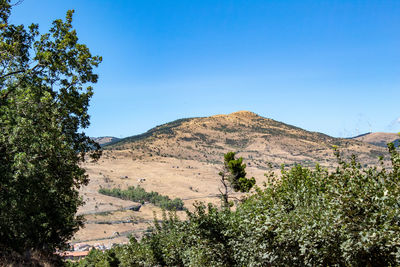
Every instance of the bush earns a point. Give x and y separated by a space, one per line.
138 194
314 217
108 258
307 217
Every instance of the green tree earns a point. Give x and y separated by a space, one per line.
233 176
44 97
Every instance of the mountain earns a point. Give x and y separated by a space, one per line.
183 158
379 138
257 139
105 140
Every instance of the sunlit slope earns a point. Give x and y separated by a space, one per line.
256 138
379 138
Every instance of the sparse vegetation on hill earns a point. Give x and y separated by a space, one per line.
164 129
379 139
138 194
306 217
207 139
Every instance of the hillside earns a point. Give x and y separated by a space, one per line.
257 139
183 158
379 138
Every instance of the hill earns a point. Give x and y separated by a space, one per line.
257 139
183 158
379 138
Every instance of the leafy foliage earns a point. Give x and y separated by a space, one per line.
314 217
138 194
306 217
233 175
98 258
43 106
237 173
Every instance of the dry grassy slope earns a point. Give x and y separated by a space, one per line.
378 138
259 140
182 159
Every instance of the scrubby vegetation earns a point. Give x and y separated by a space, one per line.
138 194
307 217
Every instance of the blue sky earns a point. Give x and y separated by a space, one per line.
326 66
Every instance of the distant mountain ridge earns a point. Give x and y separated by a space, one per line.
258 139
358 136
105 140
379 138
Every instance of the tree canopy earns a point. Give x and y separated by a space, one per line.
45 88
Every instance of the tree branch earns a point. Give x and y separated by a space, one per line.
3 97
11 73
17 3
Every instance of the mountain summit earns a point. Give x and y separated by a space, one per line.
244 114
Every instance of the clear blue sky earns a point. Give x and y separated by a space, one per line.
327 66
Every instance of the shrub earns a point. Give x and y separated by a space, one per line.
307 217
138 194
314 217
